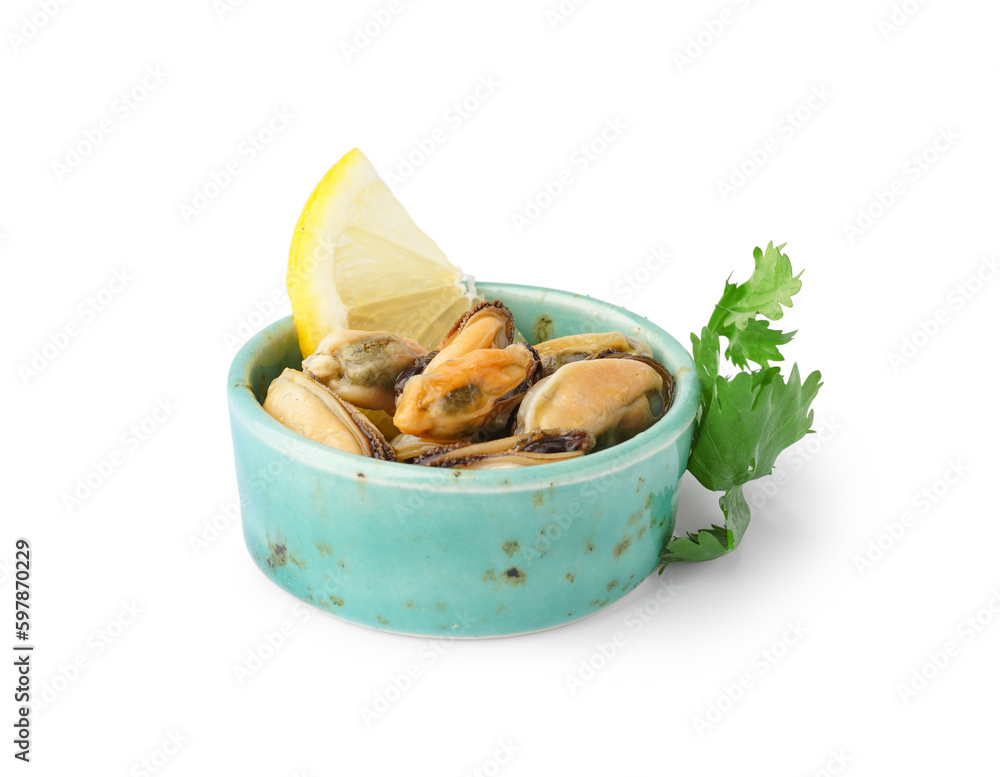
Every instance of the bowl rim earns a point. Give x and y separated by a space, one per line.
243 405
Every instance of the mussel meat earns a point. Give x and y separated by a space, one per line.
572 348
613 395
362 367
308 407
541 446
409 447
462 396
487 325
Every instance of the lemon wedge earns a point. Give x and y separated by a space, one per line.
358 261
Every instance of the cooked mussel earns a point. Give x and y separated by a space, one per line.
409 447
487 325
613 395
472 393
541 446
362 367
572 348
306 406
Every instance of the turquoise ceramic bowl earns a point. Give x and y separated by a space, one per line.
456 553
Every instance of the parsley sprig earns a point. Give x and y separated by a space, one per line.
746 421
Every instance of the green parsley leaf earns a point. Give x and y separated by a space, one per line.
757 342
703 546
771 286
717 541
706 362
746 421
745 428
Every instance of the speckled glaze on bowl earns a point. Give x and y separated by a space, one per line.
457 553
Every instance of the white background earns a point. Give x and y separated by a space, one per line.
196 283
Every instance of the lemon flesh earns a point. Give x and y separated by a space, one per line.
358 261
